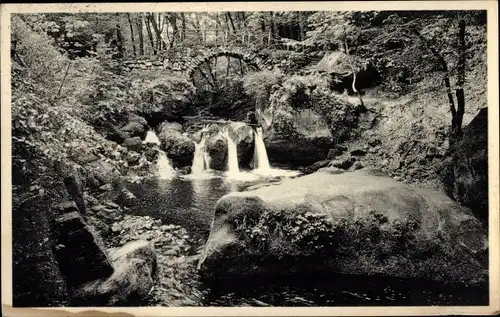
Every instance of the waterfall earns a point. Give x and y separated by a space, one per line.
260 156
232 157
165 169
200 162
207 160
151 138
232 154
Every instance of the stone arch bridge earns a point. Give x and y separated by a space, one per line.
188 61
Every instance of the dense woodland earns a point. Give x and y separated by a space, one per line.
69 86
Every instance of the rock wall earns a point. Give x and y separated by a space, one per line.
464 168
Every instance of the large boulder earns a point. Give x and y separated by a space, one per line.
134 273
140 249
134 143
175 126
100 173
361 222
464 169
136 128
179 147
110 131
216 147
243 135
152 152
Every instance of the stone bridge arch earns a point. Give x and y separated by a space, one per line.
186 62
250 57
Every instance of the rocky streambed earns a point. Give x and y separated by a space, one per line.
341 235
175 285
273 269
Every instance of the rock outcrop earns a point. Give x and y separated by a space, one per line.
81 259
464 169
360 222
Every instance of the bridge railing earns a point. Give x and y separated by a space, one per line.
197 40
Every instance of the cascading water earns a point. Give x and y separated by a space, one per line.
200 162
260 156
232 154
165 169
151 138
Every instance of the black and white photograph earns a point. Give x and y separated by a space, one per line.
250 155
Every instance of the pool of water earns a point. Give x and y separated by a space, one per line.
189 202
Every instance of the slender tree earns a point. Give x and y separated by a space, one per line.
160 44
457 111
132 34
141 35
150 35
353 69
119 38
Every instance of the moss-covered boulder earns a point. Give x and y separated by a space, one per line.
135 266
361 222
216 147
243 135
179 147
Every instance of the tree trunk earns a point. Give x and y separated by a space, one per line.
210 70
459 92
172 19
301 26
215 67
353 69
444 66
262 22
160 44
230 18
64 78
238 20
150 35
216 27
119 40
183 16
207 79
132 34
241 67
141 36
273 26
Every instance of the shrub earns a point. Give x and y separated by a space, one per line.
259 85
40 61
167 94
